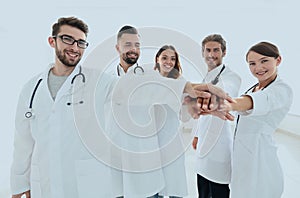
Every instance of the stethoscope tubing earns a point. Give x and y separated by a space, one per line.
134 70
28 114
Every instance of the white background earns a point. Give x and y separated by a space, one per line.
26 25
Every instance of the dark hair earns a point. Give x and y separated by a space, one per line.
127 29
216 38
71 21
264 48
176 71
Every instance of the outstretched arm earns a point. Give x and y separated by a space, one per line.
242 103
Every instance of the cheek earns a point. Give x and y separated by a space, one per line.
252 69
160 61
173 63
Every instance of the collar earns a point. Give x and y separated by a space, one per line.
213 73
121 72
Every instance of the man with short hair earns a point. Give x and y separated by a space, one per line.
213 139
50 159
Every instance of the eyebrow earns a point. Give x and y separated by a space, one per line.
71 37
260 58
264 57
168 56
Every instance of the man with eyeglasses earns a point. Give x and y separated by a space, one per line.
50 159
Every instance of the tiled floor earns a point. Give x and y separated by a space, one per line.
288 153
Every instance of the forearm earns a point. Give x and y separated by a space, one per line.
242 103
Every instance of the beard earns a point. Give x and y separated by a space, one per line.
128 60
62 58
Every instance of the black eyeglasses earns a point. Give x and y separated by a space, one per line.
70 41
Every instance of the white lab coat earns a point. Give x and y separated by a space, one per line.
215 136
256 168
49 158
173 147
142 175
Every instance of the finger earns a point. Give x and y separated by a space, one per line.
213 103
221 101
186 100
217 91
229 116
199 100
229 99
205 113
205 104
202 94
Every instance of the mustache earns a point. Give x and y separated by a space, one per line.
129 53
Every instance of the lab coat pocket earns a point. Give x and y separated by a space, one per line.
93 179
35 185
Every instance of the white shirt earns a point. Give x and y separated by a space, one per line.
215 136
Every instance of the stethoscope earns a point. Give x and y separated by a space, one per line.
137 67
238 118
29 113
216 79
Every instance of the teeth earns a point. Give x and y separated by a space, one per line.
261 73
72 54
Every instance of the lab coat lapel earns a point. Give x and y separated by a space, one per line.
44 84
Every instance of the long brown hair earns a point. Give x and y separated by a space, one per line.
176 71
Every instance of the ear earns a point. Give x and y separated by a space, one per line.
51 41
278 60
118 48
224 53
156 60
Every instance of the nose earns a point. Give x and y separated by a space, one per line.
74 46
211 54
134 48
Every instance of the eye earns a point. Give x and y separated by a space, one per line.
164 58
251 64
263 61
173 59
67 39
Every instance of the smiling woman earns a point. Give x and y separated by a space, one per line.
167 62
261 109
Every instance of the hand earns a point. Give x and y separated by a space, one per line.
195 142
195 92
214 90
27 195
221 114
210 104
227 105
193 107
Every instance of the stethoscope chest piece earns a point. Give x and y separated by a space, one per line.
28 114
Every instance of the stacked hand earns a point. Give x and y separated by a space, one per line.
206 99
